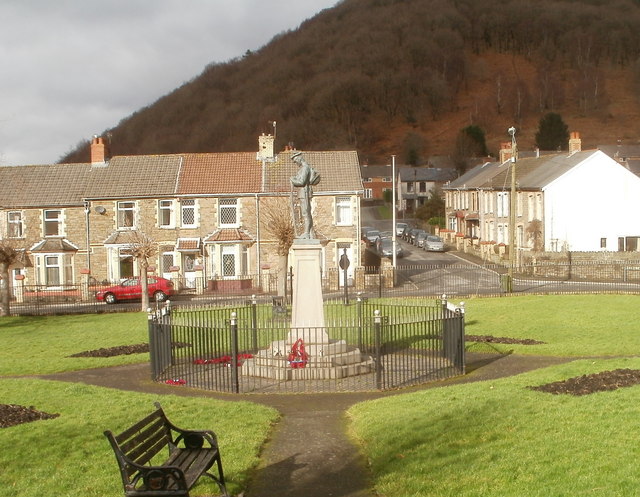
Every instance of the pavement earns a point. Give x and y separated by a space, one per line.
310 453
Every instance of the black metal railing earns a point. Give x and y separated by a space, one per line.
247 348
428 281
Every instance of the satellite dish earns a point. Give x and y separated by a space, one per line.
100 210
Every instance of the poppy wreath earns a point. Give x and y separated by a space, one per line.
298 356
176 381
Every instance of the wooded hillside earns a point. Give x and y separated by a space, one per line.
405 76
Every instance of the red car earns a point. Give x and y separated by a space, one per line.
130 289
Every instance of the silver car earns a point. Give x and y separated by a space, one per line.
433 243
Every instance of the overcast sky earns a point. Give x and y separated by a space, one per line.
73 68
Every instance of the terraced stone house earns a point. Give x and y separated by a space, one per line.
205 212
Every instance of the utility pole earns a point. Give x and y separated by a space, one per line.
393 209
512 208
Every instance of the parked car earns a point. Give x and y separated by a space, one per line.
414 236
420 237
363 231
131 289
371 237
408 233
400 227
433 243
385 248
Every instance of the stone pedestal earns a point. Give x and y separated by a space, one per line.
327 359
307 309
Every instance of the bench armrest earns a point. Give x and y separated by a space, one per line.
192 439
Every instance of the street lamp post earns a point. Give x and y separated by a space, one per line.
512 207
393 208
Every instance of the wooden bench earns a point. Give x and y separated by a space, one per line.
191 454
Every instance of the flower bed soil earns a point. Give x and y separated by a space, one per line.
598 382
492 339
11 415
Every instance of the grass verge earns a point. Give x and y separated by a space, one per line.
70 456
43 344
570 325
501 439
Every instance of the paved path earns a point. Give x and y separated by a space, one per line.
309 453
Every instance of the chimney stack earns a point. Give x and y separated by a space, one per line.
265 147
99 150
575 143
506 152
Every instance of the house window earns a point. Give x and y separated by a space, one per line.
52 223
386 179
188 208
503 204
410 186
423 187
15 228
126 211
228 212
343 211
165 211
366 180
126 263
54 269
603 243
368 193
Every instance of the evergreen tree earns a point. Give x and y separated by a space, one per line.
553 133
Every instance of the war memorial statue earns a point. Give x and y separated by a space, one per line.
306 178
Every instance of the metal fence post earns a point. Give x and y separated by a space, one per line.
235 386
152 344
359 317
254 323
377 331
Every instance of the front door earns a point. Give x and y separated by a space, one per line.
229 261
188 262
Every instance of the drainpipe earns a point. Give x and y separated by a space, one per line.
258 245
87 210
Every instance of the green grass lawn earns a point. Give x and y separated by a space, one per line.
43 344
570 325
492 438
69 455
501 439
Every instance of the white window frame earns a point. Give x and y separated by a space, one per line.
187 205
15 221
63 264
228 204
343 211
122 208
368 193
166 208
47 219
503 204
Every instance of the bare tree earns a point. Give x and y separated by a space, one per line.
9 254
143 248
279 224
534 234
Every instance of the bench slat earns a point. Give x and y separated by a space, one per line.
129 432
193 462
